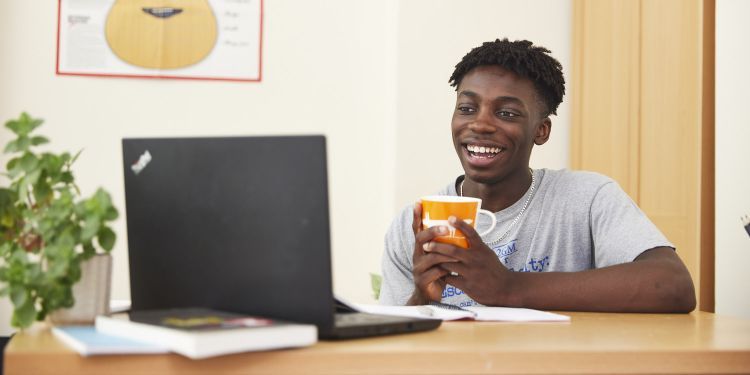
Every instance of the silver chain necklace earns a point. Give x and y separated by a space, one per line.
525 204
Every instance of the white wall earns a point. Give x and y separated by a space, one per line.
369 74
732 160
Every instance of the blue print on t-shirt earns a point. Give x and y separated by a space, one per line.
506 250
468 303
457 297
534 265
451 291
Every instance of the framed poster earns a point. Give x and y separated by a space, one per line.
185 39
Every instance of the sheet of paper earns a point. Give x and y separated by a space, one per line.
513 314
423 311
499 314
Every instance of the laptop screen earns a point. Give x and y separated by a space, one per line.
235 223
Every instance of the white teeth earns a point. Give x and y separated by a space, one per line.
483 149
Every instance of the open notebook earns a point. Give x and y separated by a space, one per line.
450 312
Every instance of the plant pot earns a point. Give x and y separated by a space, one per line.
91 293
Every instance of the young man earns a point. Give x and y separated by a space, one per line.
564 240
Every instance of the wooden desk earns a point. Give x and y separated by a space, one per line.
591 343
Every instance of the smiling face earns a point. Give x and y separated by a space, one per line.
496 122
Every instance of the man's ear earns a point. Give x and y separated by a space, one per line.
542 131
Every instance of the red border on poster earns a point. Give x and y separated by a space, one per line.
260 60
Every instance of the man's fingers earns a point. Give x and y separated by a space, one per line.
457 281
428 261
429 234
469 232
416 224
452 251
431 275
455 268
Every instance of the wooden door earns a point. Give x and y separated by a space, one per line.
643 114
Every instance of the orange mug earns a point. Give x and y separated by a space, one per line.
436 209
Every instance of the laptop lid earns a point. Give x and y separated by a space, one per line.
252 210
239 224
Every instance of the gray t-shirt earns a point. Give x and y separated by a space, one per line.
574 221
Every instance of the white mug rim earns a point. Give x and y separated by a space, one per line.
449 198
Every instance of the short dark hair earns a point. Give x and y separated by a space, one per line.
524 59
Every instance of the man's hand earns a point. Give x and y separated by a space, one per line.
480 274
429 279
656 281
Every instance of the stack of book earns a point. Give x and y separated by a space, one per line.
193 332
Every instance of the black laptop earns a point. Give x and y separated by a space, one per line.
239 224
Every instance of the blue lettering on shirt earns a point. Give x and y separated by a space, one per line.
505 250
468 303
451 291
504 253
534 265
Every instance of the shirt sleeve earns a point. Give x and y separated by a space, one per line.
619 229
398 283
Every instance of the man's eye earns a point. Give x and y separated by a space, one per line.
506 114
465 109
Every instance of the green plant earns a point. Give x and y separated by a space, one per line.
46 229
375 281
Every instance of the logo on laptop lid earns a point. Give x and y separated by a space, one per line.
142 162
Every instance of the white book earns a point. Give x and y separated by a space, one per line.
200 333
87 341
450 312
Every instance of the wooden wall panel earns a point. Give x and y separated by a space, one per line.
611 70
643 114
708 161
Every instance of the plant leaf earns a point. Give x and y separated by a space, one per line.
24 315
103 200
42 191
375 282
11 147
88 250
27 124
33 176
39 140
34 123
52 251
23 190
29 162
14 168
66 240
57 269
18 295
53 163
12 163
22 143
106 238
7 206
111 214
13 125
66 177
23 123
90 228
75 157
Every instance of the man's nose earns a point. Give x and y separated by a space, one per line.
482 123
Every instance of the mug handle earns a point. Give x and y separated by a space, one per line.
494 221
